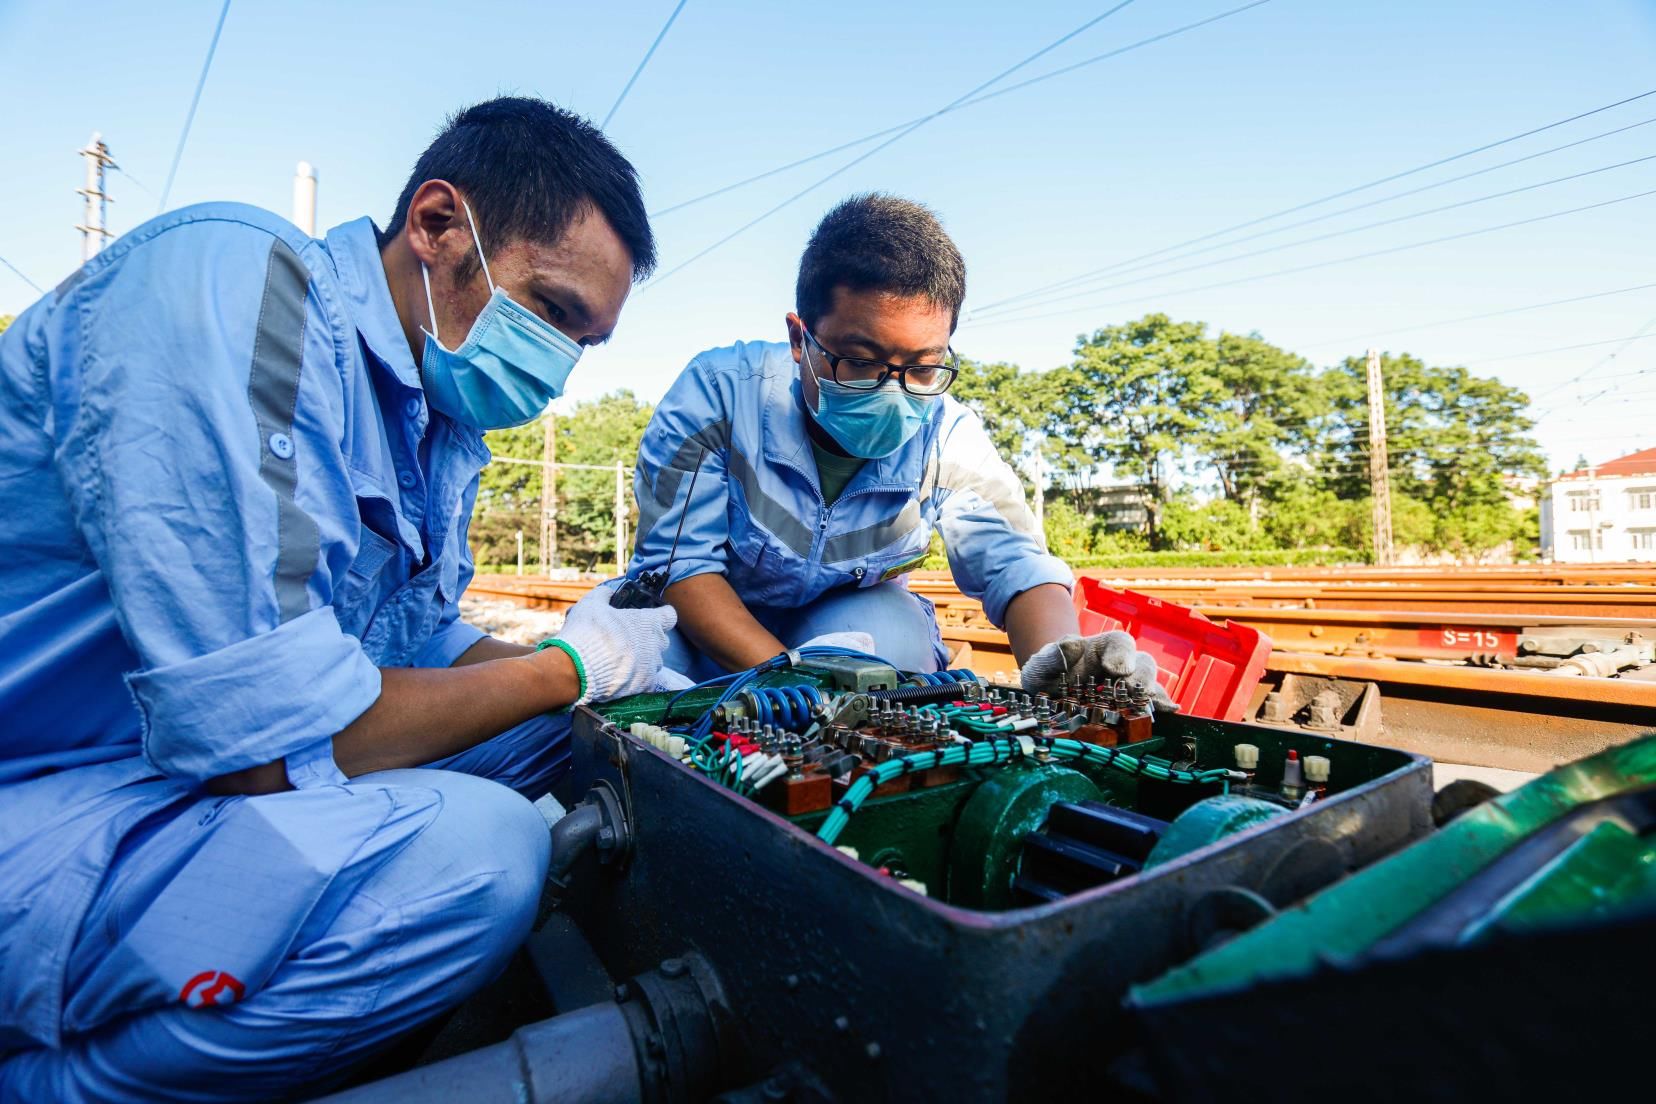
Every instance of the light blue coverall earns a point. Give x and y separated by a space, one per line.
802 567
226 505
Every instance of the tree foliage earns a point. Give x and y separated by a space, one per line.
5 321
1284 445
598 432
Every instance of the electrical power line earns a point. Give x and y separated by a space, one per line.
1565 348
1638 334
1322 264
648 54
19 273
195 101
1118 270
904 133
1021 85
1317 202
1037 303
1477 317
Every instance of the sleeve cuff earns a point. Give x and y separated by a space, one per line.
448 643
1026 574
683 569
255 701
314 766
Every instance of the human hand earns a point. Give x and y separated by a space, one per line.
1111 655
619 650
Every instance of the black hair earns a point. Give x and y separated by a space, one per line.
879 242
528 167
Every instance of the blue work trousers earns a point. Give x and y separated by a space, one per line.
392 942
902 623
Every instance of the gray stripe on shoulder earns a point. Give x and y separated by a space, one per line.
714 438
273 393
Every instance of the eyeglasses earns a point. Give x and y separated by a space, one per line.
867 375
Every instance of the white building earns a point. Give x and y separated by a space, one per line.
1602 514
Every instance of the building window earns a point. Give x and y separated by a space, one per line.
1644 540
1584 501
1584 540
1641 498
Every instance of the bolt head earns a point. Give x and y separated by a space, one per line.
842 1024
791 982
623 992
672 967
606 837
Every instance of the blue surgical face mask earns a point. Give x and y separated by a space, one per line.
867 423
510 367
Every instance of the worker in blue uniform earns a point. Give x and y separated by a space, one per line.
788 488
257 808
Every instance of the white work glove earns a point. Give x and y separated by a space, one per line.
856 641
670 680
620 649
1110 655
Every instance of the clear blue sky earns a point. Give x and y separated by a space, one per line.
1277 105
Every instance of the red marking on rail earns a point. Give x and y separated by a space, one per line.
208 988
1453 642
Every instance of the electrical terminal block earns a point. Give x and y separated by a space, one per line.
662 740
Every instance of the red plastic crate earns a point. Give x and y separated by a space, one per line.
1210 669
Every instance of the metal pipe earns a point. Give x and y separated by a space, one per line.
582 1057
572 836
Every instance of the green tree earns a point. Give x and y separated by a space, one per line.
1219 525
1270 409
6 320
1133 398
599 432
1454 441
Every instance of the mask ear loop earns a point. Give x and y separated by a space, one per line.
472 222
431 308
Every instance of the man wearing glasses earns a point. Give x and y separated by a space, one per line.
802 481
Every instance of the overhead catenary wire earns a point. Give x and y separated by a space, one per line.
973 102
893 140
648 54
1354 338
1011 311
195 101
1001 321
1296 208
18 272
1119 270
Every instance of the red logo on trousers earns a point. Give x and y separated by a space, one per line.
211 988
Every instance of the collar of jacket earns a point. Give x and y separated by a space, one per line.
354 248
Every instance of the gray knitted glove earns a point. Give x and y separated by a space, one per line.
1110 655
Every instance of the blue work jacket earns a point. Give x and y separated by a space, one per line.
757 514
226 505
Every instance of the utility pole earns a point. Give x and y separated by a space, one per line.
304 198
620 518
1379 473
94 221
549 493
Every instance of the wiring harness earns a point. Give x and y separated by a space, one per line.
1005 749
